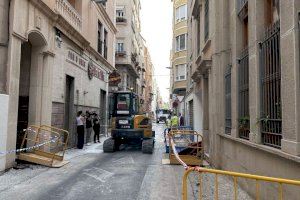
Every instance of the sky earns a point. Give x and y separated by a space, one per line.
156 25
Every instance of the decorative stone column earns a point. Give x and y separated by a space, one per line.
4 99
290 92
256 31
35 90
13 65
46 104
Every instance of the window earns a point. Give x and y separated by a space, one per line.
228 100
105 44
104 3
181 13
180 72
181 42
123 103
272 12
206 23
198 33
100 37
120 47
243 80
120 13
270 69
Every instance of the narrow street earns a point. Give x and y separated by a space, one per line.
127 174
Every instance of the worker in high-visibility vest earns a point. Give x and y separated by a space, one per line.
168 123
174 121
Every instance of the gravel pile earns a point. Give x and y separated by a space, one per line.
225 187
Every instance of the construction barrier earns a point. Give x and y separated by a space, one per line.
187 143
234 175
51 153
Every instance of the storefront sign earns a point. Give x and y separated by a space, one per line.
77 59
92 68
94 71
114 78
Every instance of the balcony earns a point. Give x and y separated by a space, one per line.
120 53
242 9
68 12
121 20
179 88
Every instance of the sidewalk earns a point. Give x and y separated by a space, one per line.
17 176
93 148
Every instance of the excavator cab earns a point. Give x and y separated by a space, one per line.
127 125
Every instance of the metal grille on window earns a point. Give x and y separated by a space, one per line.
206 25
191 114
271 121
99 38
228 100
243 73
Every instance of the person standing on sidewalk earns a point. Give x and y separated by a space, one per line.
181 120
96 128
89 127
80 130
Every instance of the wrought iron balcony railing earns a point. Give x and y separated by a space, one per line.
120 53
121 20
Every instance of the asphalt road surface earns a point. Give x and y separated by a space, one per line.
124 175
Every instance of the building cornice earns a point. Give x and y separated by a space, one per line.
98 56
69 31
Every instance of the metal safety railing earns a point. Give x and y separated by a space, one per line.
51 148
235 175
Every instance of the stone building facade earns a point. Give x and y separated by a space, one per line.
178 57
245 58
58 59
129 46
147 84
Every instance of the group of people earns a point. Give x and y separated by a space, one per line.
88 122
175 121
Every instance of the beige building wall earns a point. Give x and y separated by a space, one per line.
129 61
46 44
178 57
225 47
148 81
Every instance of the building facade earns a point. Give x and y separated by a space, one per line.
59 56
178 82
129 45
147 84
245 59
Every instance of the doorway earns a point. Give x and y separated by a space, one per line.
69 105
103 112
24 86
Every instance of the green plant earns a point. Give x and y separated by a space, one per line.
244 121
